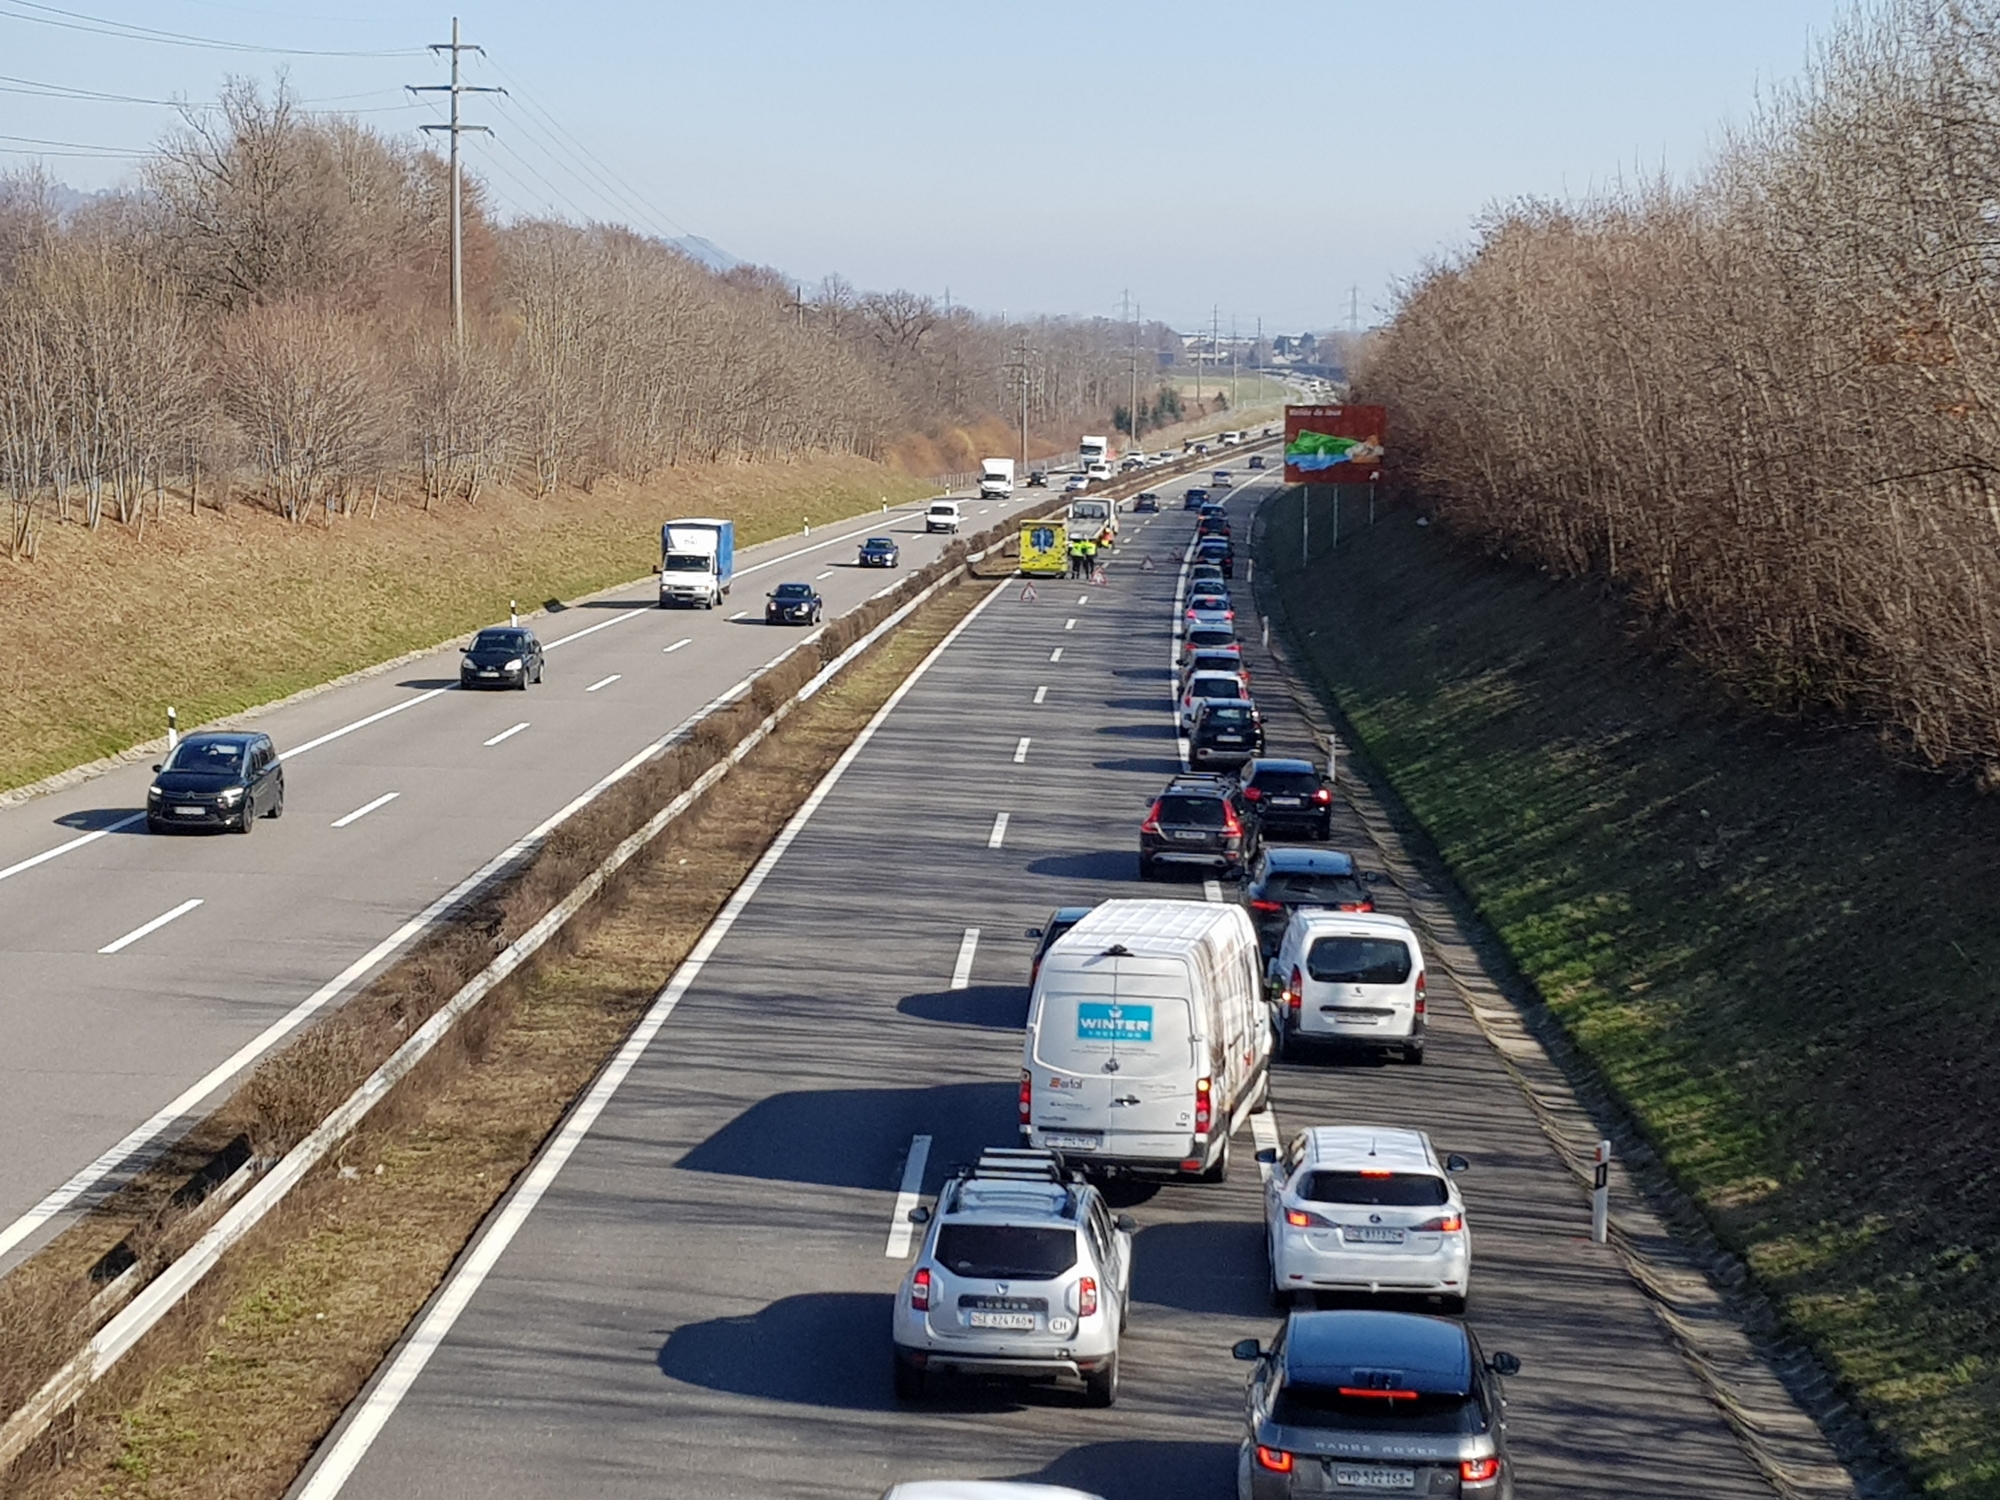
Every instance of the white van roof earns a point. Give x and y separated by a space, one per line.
1380 924
1156 929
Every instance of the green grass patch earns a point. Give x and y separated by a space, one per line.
1780 952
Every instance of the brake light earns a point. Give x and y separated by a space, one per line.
920 1291
1277 1460
1372 1394
1253 794
1376 1172
1204 1107
1086 1297
1322 796
1027 1096
1478 1470
1420 992
1262 905
1442 1224
1152 823
1300 1218
1295 993
1230 825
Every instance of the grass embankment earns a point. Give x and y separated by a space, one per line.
231 1399
1781 952
217 612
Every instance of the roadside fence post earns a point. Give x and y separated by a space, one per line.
513 613
173 727
1600 1196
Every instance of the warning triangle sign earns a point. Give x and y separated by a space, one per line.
1028 593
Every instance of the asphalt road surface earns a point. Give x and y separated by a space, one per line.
698 1302
398 788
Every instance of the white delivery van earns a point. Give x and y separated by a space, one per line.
943 515
1148 1041
996 478
1353 978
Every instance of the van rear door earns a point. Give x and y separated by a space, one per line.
1113 1060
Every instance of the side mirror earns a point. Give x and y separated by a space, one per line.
922 1215
1503 1363
1249 1349
657 568
1033 932
465 651
1125 1224
1268 1157
1455 1163
159 765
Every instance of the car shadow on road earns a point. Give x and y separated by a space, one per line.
827 1349
1135 1470
1203 1266
425 684
810 1136
1099 864
614 604
1140 731
1157 765
1161 704
103 819
993 1007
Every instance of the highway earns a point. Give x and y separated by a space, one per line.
144 974
690 1293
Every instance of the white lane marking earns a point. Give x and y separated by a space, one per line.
1021 751
1041 693
741 614
1070 623
901 1230
630 614
343 1455
961 971
1083 598
76 843
153 926
604 682
362 723
1211 889
999 834
1264 1131
507 734
1056 655
366 808
686 640
827 574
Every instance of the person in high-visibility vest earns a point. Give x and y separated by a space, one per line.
1078 562
1089 557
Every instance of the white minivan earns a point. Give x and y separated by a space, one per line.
943 515
1148 1041
1355 978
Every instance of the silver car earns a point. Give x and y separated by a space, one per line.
1362 1402
1024 1273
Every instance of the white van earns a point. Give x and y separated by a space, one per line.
943 515
1355 978
1149 1042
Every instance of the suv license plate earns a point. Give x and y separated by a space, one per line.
1375 1479
1286 801
1022 1321
1073 1142
1192 838
1368 1234
187 812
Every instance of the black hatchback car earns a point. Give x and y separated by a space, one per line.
1216 549
1286 879
880 552
792 604
1224 734
1195 498
1366 1401
1292 797
503 656
1060 921
1148 504
217 781
1198 820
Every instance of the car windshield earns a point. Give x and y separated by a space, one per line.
1313 890
500 640
1005 1252
793 591
1195 812
211 757
683 562
1216 688
1325 1406
879 541
1358 960
1209 601
1228 713
1216 661
1375 1189
1211 636
1287 783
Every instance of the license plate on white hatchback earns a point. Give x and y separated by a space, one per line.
1369 1234
1375 1479
1073 1142
1023 1322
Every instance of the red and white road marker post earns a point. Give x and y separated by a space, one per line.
1600 1196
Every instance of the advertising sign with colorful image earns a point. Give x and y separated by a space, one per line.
1114 1023
1334 444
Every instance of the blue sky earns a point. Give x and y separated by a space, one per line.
1026 155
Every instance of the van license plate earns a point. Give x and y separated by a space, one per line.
1073 1142
1368 1234
1024 1322
1375 1479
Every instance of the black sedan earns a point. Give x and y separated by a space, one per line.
1291 796
880 552
1256 460
1286 879
792 604
1216 549
1147 504
504 656
1194 499
1037 480
217 781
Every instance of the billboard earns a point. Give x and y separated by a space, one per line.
1334 444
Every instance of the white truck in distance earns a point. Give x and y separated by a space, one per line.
996 477
697 561
1094 453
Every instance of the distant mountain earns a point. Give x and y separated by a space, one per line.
710 254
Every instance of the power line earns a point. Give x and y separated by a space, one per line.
100 26
74 148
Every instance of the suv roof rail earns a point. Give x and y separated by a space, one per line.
1019 1164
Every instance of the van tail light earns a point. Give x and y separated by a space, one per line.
1230 824
1420 992
1204 1107
1262 905
1027 1097
1152 823
1301 1218
1442 1224
1278 1461
1322 796
920 1291
1086 1297
1295 992
1478 1470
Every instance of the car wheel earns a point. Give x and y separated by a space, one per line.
1413 1057
1101 1388
247 819
154 825
1220 1171
1288 1046
1281 1296
910 1379
1146 870
278 807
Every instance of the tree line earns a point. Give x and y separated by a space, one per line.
261 320
1766 403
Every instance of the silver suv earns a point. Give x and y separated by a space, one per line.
1024 1272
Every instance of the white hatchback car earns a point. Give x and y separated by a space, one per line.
1202 686
943 515
1361 1208
1350 978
